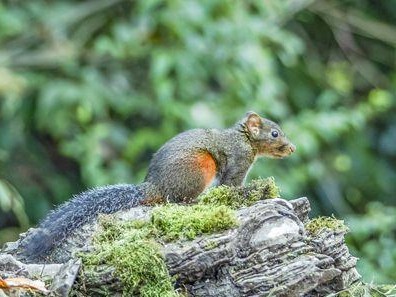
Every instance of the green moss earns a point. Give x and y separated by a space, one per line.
236 197
173 222
138 264
319 224
136 257
130 247
113 230
222 195
369 290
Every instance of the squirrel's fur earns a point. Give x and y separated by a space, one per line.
181 170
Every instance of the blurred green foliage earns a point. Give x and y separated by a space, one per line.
374 237
90 89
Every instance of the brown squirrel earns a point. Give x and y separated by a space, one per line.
181 170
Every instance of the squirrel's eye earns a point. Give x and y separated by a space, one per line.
274 134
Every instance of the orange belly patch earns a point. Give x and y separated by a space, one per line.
207 166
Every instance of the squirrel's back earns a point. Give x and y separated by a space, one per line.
192 160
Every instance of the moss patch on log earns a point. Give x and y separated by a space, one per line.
237 197
132 247
172 222
136 257
319 224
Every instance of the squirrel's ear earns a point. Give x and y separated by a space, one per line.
253 123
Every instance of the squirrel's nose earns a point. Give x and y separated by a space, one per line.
292 148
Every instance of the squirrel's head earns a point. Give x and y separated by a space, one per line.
266 136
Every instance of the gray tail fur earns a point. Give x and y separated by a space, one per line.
75 213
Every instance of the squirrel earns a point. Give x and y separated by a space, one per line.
179 171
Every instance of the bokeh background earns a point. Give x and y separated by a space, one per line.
89 90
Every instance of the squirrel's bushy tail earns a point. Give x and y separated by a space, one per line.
75 213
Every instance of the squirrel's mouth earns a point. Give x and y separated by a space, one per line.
280 156
285 150
278 152
275 155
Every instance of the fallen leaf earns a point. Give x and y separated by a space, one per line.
23 283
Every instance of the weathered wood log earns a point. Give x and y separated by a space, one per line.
270 253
